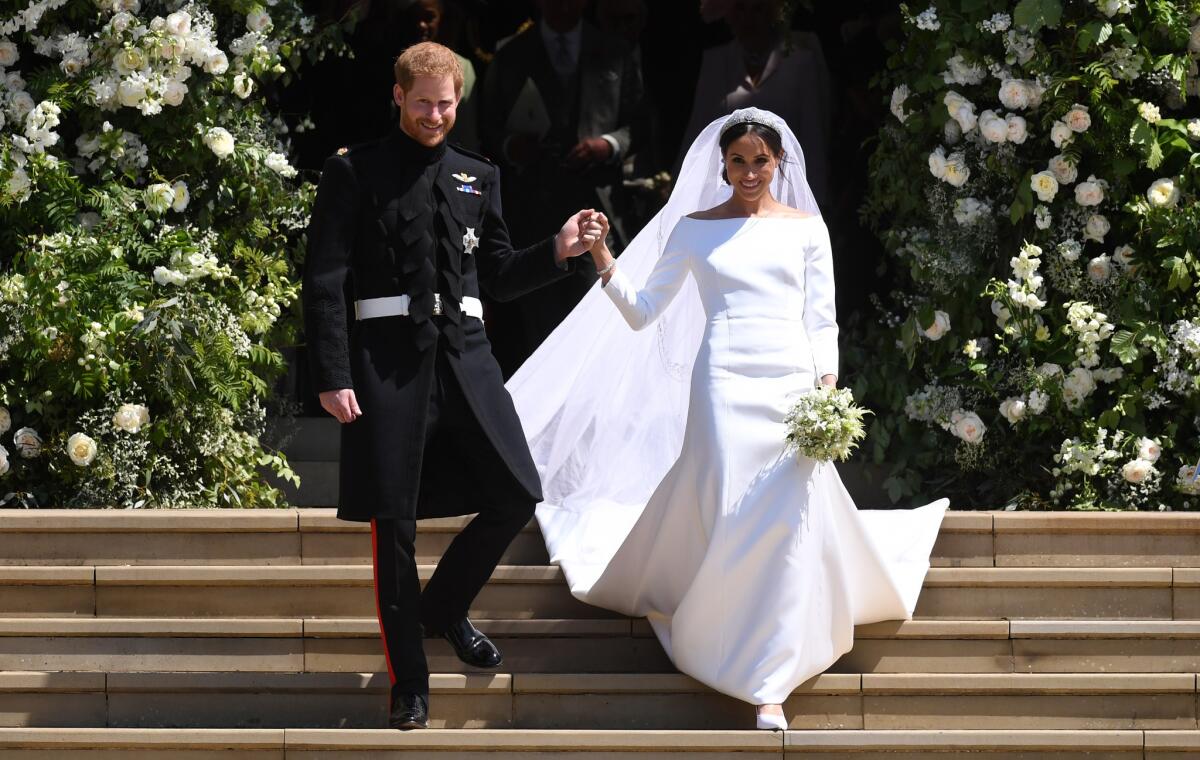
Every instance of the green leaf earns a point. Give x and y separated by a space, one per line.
1095 33
1035 14
1124 346
1141 134
1109 419
1180 278
1123 166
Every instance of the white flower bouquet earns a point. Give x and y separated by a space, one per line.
826 424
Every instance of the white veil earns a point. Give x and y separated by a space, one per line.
604 407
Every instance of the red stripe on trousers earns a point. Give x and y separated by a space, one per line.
387 656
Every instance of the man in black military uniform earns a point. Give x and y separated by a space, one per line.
413 229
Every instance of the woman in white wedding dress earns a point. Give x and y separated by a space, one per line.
669 491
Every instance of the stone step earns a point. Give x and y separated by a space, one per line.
538 591
341 645
315 536
841 701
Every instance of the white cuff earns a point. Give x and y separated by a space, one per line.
616 148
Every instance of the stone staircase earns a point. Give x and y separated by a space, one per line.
223 634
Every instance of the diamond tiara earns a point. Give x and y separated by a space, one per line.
754 116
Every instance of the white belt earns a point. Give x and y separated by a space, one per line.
397 306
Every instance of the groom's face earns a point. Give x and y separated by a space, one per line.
427 108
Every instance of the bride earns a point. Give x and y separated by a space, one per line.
669 491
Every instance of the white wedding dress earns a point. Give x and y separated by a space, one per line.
668 492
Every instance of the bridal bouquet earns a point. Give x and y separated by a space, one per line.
826 424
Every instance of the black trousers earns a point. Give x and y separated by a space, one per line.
461 463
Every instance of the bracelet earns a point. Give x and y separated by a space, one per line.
607 269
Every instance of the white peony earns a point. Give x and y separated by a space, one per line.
1137 470
174 93
1064 171
1045 185
81 449
278 163
179 23
1013 409
28 442
1163 193
129 61
993 128
1078 385
219 141
180 196
131 92
158 197
967 426
131 418
937 163
217 63
1015 94
1099 269
957 172
1089 193
9 54
940 326
1149 449
243 85
1078 118
1123 255
1096 228
899 95
1018 129
1060 134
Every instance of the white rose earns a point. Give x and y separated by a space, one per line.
174 93
940 326
278 163
937 163
899 95
1078 118
179 23
121 21
1045 185
4 463
1014 94
1064 171
81 449
243 85
1149 449
1123 255
1137 470
957 172
1163 193
9 54
1013 409
1078 385
966 118
131 92
217 63
1018 129
1099 269
129 60
131 417
5 420
1038 401
159 197
967 426
954 101
220 142
1090 193
257 19
29 443
1097 227
992 127
180 196
1060 134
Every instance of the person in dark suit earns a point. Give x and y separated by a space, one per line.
412 228
561 109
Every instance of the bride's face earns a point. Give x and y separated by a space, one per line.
750 165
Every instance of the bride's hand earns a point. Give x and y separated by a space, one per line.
600 243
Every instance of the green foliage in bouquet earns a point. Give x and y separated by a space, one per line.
826 425
1036 186
148 219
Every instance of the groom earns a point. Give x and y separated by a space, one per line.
412 229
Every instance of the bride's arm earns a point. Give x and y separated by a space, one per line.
641 307
820 315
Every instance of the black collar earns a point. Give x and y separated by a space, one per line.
414 152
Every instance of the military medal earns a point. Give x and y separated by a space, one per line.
470 241
463 177
468 189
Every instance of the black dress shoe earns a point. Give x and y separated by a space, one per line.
409 711
471 646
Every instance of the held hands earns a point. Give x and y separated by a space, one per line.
830 380
341 404
578 234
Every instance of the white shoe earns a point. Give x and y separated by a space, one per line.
769 722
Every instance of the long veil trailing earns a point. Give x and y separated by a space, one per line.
604 407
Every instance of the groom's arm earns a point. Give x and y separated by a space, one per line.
505 273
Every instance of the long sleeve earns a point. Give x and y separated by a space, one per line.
641 307
326 269
820 313
504 273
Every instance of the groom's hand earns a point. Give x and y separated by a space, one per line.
341 404
577 235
